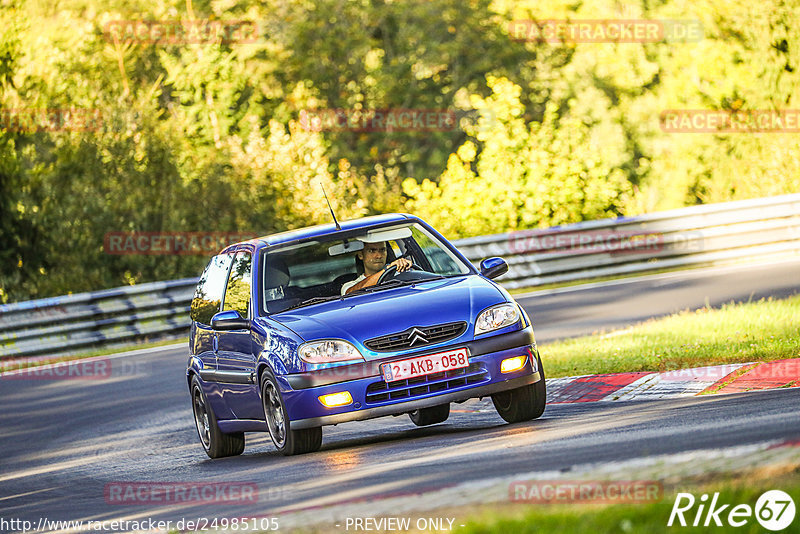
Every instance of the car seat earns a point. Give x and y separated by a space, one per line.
277 294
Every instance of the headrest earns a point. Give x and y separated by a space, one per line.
277 274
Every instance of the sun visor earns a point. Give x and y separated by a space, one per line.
379 236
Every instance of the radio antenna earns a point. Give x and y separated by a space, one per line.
338 226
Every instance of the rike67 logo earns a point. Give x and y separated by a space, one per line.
774 511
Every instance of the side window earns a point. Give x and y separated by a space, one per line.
208 296
441 260
393 250
237 296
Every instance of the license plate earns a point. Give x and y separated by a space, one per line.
425 365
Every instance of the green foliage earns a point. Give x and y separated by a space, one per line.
413 54
208 137
594 120
526 175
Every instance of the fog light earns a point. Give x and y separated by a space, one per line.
509 365
336 399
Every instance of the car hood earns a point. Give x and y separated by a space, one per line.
370 315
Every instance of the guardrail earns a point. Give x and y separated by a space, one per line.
709 234
61 325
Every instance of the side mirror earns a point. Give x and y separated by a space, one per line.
229 320
493 267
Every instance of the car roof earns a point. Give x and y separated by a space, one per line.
318 230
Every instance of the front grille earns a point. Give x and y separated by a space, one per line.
416 336
421 385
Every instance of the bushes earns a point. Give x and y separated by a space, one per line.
525 175
207 137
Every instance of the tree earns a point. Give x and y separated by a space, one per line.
523 175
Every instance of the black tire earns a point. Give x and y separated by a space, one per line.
430 416
216 443
523 403
289 442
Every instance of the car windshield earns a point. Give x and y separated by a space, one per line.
311 272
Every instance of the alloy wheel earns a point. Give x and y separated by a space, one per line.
273 410
201 418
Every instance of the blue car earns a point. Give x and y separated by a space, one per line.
292 331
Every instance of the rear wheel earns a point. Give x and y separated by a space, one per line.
430 416
523 403
287 441
216 443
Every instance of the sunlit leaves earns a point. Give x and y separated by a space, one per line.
525 175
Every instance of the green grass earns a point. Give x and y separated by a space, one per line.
748 332
636 518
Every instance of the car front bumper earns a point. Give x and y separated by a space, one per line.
373 397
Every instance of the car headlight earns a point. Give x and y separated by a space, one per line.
328 350
496 317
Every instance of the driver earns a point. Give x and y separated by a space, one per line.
373 256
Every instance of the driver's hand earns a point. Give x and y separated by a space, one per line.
403 264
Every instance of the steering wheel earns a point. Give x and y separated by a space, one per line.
387 274
414 266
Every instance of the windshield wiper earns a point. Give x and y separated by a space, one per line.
314 300
370 289
394 283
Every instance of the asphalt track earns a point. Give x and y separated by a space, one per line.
64 441
587 309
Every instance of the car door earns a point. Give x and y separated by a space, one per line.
235 359
206 302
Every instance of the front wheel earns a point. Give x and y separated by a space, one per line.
523 403
289 442
216 443
430 416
